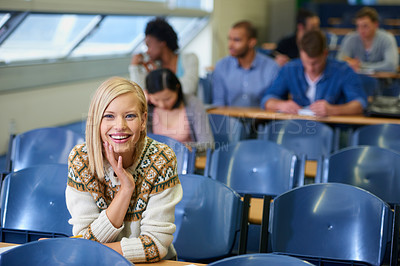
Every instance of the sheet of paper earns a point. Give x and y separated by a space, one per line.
306 111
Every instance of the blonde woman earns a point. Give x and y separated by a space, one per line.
123 186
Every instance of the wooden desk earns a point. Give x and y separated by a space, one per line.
256 210
160 263
386 75
258 113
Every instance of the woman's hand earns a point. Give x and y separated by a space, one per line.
125 178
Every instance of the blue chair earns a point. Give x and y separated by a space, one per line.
382 135
372 168
260 259
43 146
205 89
207 219
334 223
62 251
227 129
33 204
313 138
78 127
257 167
186 158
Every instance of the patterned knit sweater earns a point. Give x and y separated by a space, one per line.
146 234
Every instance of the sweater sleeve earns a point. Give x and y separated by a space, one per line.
138 74
157 228
389 51
190 78
87 218
198 117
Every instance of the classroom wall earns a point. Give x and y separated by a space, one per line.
227 12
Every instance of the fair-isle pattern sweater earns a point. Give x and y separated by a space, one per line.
146 235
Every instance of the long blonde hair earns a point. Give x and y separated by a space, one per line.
106 92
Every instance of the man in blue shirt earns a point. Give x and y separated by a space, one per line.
243 77
323 86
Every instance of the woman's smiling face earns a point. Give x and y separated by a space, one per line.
122 123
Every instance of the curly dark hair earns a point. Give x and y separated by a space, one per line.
162 31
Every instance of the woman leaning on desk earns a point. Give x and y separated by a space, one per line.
123 186
175 114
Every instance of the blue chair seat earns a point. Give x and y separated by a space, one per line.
257 167
259 260
186 158
62 251
332 221
207 219
372 168
33 204
43 146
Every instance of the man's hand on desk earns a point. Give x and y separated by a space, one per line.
284 106
320 108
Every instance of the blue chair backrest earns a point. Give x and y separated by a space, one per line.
372 168
186 158
43 146
205 89
78 127
331 221
312 138
227 129
257 167
207 219
34 199
260 259
62 251
382 135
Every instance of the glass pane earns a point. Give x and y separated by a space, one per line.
115 35
3 18
193 4
185 27
206 5
46 36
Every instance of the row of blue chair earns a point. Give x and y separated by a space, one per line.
53 145
199 218
313 138
320 223
262 167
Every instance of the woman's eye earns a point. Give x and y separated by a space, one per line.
131 116
108 116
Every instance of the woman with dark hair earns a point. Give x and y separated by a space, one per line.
162 51
175 114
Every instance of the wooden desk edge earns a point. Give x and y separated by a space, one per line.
258 113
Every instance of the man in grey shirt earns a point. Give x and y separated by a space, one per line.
369 49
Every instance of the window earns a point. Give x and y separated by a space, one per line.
27 37
45 36
114 35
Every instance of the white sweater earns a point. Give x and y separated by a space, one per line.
146 235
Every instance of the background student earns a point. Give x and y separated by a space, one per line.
175 114
162 50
